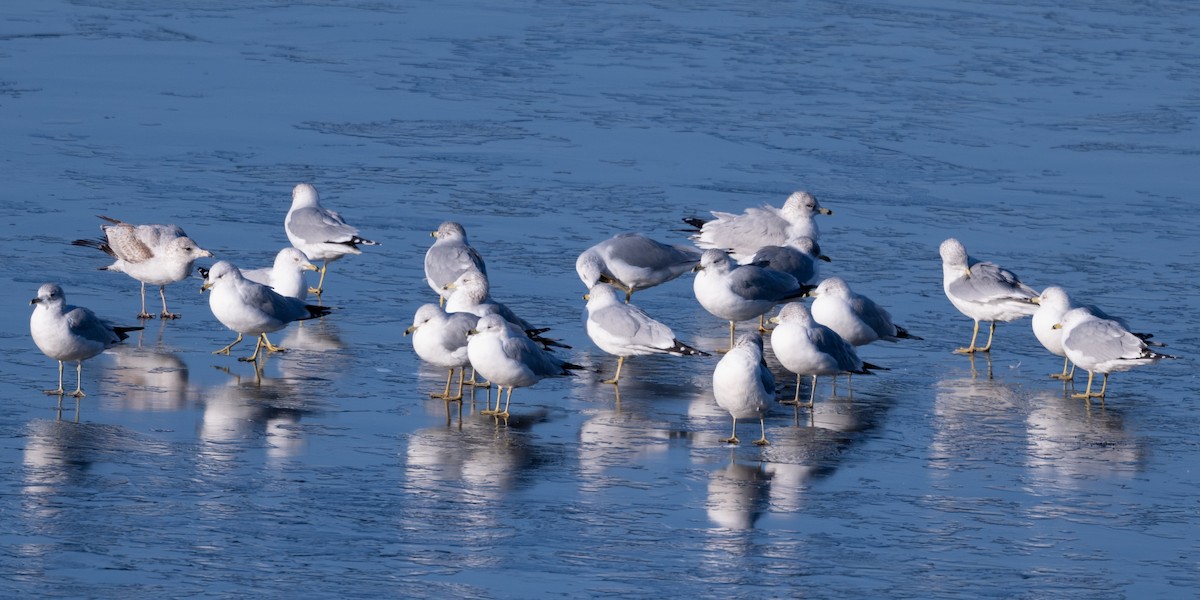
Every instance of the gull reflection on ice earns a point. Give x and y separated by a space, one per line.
152 378
738 495
252 411
1071 442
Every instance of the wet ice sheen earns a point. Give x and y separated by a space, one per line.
1048 137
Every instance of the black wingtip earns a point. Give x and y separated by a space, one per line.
123 332
904 334
696 222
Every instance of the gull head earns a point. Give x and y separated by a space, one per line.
954 257
802 203
184 249
1074 317
794 312
472 282
221 273
293 258
50 294
1054 298
590 268
602 294
304 194
424 314
833 286
450 231
713 260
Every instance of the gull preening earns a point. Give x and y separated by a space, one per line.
632 262
153 254
286 274
69 333
743 385
625 330
449 256
321 234
983 291
1102 346
742 235
250 308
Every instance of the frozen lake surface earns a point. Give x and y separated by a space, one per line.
1056 138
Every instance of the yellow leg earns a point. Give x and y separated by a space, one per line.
970 349
446 393
732 439
507 399
487 409
59 392
1104 387
258 344
762 441
458 397
1087 393
321 281
78 393
269 346
226 349
1064 376
616 378
991 332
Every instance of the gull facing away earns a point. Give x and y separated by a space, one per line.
449 256
632 262
983 291
440 338
742 235
806 347
286 275
505 356
318 232
1053 304
70 333
743 385
856 318
252 308
625 330
1102 346
153 254
739 292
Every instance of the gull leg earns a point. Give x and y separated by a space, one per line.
991 332
226 349
78 393
762 441
166 314
460 387
970 349
732 439
507 399
445 394
616 378
144 314
812 396
1064 376
731 324
59 392
258 344
1104 387
269 346
1088 392
487 410
321 281
795 399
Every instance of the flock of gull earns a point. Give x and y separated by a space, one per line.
745 266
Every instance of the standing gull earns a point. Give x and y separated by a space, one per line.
743 385
625 330
505 356
1053 304
632 262
741 235
154 254
806 347
1102 346
286 275
318 232
797 257
856 318
252 308
70 333
471 293
736 293
440 338
983 291
449 256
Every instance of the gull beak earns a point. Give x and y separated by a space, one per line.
697 269
967 272
1037 300
311 267
34 301
204 288
205 253
774 319
809 294
410 330
472 331
823 257
825 211
448 286
587 296
432 234
1056 326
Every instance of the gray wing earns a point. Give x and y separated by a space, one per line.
757 227
457 326
262 276
268 301
988 283
84 323
829 342
1105 341
314 224
443 264
788 260
525 351
757 283
765 377
633 325
873 315
642 252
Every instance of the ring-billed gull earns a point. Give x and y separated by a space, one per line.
632 262
318 232
741 235
471 293
856 318
738 292
798 258
440 338
70 333
286 275
1102 346
252 308
1052 305
806 347
983 291
743 385
154 254
505 356
449 256
625 330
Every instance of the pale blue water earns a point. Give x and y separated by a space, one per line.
1057 138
